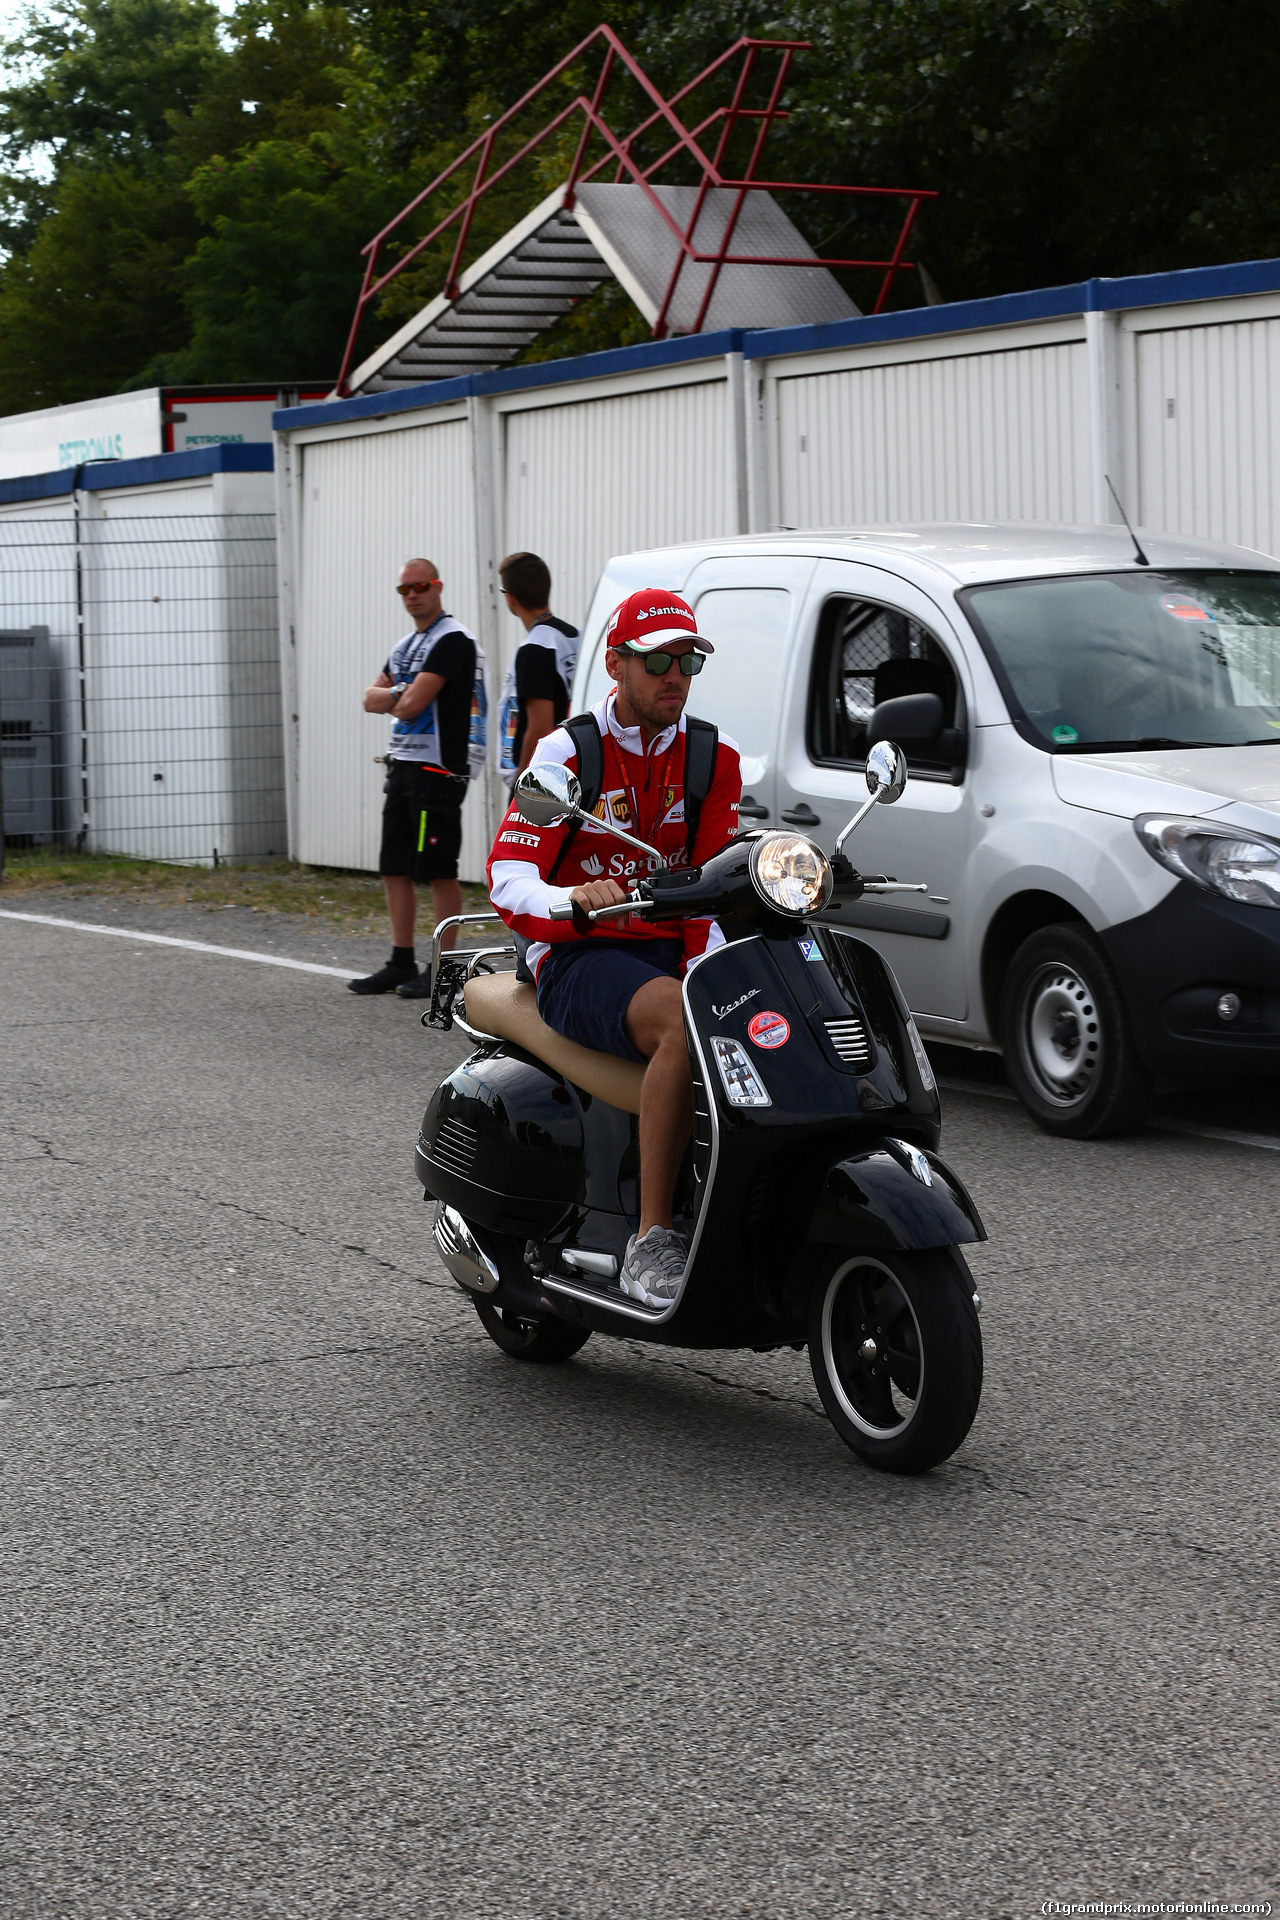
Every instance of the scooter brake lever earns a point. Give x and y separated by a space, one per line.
847 882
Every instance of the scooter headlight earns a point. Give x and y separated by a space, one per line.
791 873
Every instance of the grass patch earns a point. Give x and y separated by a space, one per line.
350 902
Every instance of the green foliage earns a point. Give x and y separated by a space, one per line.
187 195
98 292
270 282
104 77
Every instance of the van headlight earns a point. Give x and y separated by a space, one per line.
1240 866
791 873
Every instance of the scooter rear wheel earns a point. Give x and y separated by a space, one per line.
547 1341
896 1354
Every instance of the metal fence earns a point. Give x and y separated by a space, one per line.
140 684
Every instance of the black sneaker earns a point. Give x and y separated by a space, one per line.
419 989
385 980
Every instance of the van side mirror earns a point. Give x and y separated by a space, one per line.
914 720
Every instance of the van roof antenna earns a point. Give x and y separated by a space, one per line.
1142 558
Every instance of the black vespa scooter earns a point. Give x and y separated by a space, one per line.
815 1204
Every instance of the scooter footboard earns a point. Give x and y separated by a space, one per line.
893 1195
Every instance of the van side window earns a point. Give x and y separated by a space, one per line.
867 653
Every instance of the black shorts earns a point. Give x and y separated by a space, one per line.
586 986
421 823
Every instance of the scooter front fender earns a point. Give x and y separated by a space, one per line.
893 1196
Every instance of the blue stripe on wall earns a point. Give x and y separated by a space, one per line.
960 316
543 373
251 457
35 486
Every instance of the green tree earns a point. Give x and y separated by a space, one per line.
187 196
97 293
272 281
98 235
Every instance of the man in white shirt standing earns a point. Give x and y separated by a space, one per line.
427 687
535 698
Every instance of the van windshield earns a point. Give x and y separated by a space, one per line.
1129 660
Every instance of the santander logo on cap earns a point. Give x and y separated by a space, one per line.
654 618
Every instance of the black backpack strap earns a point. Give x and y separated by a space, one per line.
701 744
588 746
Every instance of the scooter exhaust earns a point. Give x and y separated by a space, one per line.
462 1253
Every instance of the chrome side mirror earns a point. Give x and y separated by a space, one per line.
886 778
886 772
546 795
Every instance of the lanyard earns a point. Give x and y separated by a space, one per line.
648 831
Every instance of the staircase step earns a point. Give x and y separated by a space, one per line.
554 258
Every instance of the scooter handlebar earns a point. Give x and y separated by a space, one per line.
563 909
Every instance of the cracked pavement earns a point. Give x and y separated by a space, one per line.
312 1604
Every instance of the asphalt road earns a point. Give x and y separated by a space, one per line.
314 1605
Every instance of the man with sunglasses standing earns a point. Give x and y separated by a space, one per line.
427 687
614 984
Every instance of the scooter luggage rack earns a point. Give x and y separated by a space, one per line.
473 957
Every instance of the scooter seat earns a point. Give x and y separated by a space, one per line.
499 1004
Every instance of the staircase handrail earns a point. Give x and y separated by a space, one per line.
618 151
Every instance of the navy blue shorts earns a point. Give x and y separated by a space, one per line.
584 989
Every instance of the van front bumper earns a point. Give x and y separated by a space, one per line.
1176 963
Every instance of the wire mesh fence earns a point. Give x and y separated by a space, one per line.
140 684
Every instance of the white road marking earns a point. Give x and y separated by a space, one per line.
1262 1140
170 940
1267 1142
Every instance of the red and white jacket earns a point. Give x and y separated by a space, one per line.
643 793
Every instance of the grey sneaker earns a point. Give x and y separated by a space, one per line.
652 1267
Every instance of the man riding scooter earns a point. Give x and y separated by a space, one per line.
673 782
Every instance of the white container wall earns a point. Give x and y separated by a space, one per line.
368 504
1002 410
1207 414
997 435
182 684
160 603
588 480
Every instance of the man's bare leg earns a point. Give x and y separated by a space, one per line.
446 897
402 906
655 1027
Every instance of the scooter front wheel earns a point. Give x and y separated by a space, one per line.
896 1353
547 1340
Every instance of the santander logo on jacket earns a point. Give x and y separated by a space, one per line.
643 793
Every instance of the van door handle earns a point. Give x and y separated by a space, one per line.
801 816
749 808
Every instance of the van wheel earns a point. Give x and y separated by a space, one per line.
546 1340
1068 1047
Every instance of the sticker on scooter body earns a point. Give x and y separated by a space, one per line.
809 948
768 1030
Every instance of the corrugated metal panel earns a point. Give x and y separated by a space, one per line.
984 436
599 477
367 505
1208 430
182 679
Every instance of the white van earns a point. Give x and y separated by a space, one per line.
1094 801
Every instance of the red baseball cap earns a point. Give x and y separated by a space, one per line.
651 619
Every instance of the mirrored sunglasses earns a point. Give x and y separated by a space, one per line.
656 663
418 586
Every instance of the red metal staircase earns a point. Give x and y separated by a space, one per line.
694 254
